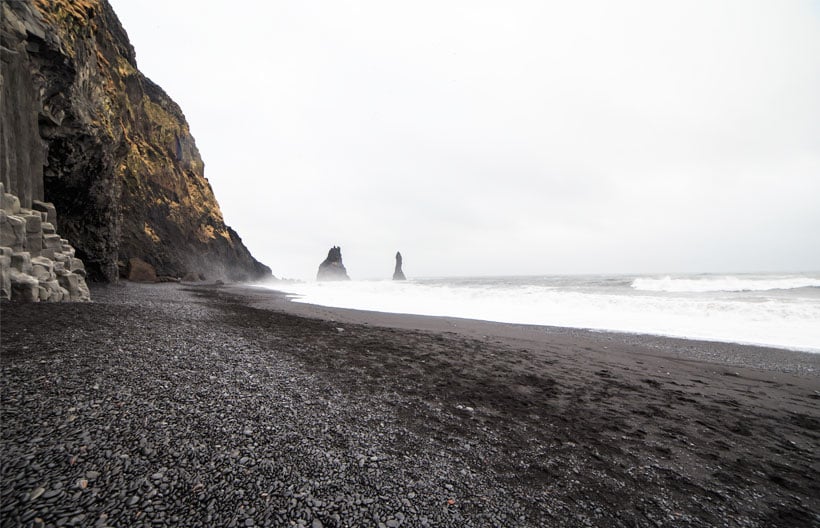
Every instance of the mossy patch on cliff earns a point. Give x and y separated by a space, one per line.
73 17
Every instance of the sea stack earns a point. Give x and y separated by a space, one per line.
398 274
332 268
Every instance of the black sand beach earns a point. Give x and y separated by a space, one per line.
167 405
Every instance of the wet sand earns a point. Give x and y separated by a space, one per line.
400 420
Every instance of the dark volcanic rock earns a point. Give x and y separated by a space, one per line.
200 407
81 127
141 271
332 267
193 277
398 274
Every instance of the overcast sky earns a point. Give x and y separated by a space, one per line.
503 137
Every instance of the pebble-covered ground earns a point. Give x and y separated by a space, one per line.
161 406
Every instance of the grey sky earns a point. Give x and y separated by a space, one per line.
484 138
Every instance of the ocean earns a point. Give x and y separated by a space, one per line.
778 310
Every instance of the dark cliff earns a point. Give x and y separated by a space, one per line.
81 127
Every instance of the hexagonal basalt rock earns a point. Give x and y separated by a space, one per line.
36 264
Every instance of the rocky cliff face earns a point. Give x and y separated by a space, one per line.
81 127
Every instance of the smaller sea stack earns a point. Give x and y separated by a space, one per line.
398 274
332 268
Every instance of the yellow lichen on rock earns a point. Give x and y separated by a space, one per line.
73 16
124 68
206 232
151 233
80 10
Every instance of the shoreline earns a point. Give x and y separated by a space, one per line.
199 405
768 312
726 352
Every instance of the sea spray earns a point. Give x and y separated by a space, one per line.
773 310
724 284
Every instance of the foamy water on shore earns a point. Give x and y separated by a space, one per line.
775 310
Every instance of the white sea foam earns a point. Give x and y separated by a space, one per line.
786 321
726 283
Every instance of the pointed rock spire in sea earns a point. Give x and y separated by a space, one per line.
398 274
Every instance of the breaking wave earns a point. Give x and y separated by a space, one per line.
723 284
712 308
